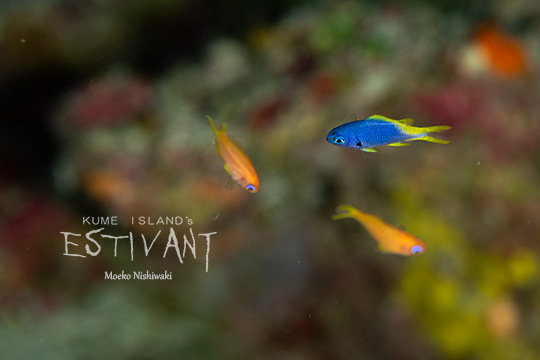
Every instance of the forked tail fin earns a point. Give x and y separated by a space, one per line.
216 131
429 130
344 211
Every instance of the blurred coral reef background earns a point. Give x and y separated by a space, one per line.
102 113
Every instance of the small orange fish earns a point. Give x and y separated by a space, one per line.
505 54
390 239
235 161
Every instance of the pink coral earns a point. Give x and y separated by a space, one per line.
106 102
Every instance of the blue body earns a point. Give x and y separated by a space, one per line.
365 134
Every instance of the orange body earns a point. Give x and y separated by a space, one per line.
505 54
235 161
389 238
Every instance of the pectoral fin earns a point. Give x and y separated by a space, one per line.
230 184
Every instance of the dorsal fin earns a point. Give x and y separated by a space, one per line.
406 121
379 117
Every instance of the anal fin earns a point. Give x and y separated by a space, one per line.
369 150
400 144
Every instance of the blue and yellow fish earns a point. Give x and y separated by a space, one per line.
378 130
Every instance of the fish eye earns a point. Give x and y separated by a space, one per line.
339 140
250 188
417 249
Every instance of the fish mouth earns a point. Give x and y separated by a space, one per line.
330 139
336 139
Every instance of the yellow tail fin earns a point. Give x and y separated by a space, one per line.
438 128
435 129
344 211
216 131
434 139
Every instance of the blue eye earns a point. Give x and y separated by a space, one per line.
417 249
250 187
339 140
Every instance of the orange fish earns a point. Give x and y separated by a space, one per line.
389 238
235 161
505 55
